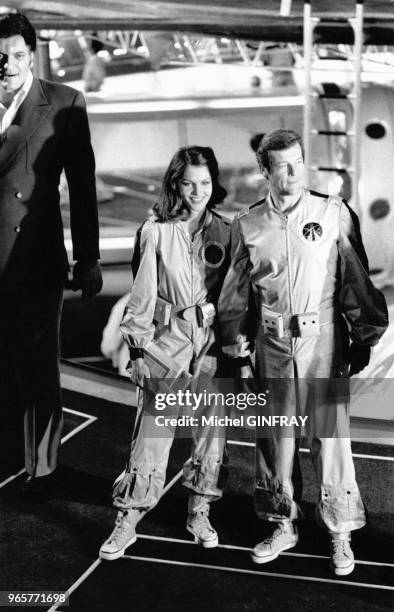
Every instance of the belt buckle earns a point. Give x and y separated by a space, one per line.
162 312
308 324
189 314
205 314
273 323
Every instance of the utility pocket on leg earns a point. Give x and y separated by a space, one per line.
341 509
205 476
133 488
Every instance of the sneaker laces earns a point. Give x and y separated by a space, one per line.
120 528
274 535
339 547
200 522
271 538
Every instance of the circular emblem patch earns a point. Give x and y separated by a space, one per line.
213 254
312 231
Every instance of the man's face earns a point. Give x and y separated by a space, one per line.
286 174
19 61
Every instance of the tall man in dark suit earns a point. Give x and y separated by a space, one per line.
44 129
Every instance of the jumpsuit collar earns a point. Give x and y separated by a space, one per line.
206 221
293 209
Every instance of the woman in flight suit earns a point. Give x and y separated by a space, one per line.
180 260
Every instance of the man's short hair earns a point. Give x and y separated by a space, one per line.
16 24
276 141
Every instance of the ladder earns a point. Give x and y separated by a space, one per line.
356 22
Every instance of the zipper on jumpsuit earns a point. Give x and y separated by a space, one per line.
289 274
191 253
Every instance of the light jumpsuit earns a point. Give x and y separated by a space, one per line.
184 272
310 260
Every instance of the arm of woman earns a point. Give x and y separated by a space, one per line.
137 325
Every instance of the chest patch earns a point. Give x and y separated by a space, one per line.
213 254
312 231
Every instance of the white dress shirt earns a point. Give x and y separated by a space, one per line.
7 115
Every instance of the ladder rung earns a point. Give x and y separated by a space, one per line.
330 133
350 96
332 96
332 169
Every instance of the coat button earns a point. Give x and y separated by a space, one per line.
18 195
17 229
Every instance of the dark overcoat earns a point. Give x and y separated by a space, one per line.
50 132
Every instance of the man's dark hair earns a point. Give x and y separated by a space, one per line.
14 24
170 205
276 141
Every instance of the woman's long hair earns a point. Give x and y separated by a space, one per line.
170 206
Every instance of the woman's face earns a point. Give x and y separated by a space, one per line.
195 187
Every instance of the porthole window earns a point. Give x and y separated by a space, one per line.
375 130
379 209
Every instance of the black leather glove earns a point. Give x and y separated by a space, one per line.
87 276
359 356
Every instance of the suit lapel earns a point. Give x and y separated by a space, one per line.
30 114
32 110
12 142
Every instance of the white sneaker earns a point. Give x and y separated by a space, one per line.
341 555
198 525
271 547
198 522
122 536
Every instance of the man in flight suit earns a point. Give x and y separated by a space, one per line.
300 254
44 129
